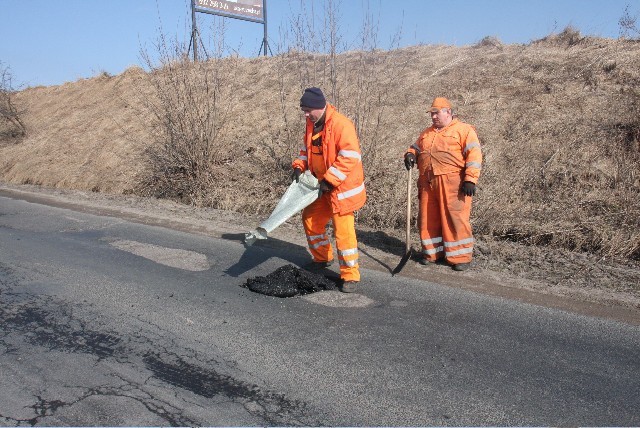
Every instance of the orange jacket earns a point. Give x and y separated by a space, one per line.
453 148
342 158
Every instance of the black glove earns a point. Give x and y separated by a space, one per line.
468 188
409 161
295 175
325 186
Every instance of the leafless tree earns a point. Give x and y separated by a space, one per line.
628 24
11 125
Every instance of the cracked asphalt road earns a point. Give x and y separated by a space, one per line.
62 368
80 345
107 322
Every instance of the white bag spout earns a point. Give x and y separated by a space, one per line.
297 197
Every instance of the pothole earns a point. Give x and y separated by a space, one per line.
340 300
289 281
173 257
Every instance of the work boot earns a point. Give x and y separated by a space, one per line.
461 266
349 286
318 266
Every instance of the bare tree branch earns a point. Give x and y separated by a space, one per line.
12 127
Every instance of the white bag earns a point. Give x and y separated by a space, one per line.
299 195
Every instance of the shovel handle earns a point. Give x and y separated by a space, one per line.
408 236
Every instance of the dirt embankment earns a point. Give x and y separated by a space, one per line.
558 207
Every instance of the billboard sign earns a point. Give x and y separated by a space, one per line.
249 10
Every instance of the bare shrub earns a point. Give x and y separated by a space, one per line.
368 103
609 65
295 70
628 24
12 128
188 108
489 41
570 36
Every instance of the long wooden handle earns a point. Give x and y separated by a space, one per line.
408 237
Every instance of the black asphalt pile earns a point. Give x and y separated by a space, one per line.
289 281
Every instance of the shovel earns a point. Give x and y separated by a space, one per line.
407 249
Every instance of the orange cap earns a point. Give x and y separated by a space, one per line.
439 103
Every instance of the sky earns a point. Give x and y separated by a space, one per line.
50 42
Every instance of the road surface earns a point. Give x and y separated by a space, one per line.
104 321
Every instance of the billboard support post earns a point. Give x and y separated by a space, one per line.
264 25
194 31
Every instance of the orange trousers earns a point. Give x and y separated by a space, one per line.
315 218
445 229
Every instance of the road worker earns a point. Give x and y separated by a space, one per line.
449 160
331 152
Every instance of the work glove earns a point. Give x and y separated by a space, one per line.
409 160
468 188
295 174
325 186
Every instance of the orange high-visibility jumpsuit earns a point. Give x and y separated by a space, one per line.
336 160
447 158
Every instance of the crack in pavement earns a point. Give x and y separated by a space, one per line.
44 408
209 384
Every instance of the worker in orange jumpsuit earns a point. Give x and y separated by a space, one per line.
331 152
449 160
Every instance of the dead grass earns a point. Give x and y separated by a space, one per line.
559 121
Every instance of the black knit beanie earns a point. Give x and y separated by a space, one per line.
313 98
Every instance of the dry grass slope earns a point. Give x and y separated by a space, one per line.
558 118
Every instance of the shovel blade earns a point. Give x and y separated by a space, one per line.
403 262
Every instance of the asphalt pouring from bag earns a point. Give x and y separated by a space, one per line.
289 281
